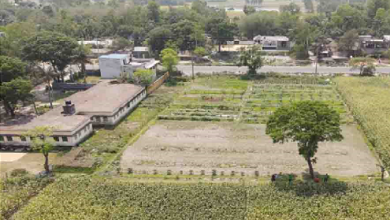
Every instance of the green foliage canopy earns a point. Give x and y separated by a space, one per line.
307 123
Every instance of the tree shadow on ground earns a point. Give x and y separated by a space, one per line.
307 187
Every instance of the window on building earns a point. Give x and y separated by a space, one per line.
128 104
65 139
1 138
284 44
98 119
56 139
23 138
105 119
9 138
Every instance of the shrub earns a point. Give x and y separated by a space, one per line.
18 172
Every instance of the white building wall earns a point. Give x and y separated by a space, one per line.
58 140
110 68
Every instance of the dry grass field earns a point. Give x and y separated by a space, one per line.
227 146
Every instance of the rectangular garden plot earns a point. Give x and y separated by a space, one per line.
267 95
208 99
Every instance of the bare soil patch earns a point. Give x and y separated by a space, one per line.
32 162
184 146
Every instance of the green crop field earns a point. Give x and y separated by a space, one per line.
15 192
102 198
369 101
232 99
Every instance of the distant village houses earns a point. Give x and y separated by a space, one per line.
370 45
273 43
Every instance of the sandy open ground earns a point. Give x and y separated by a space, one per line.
32 162
185 146
10 157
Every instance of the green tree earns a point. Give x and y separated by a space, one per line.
81 59
374 5
11 68
14 91
249 10
300 52
307 123
292 8
347 17
54 48
16 33
252 59
158 37
261 23
200 51
221 30
187 35
42 141
154 11
349 41
309 5
143 77
364 64
121 43
169 59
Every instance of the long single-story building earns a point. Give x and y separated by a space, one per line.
104 104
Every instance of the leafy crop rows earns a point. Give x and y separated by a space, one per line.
15 192
98 198
231 99
369 101
266 97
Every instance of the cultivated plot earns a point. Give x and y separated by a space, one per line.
199 147
232 99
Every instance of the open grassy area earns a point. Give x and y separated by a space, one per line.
119 198
369 101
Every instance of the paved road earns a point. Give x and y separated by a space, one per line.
187 69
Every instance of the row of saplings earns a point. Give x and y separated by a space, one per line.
306 122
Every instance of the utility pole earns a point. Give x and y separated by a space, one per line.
192 62
318 49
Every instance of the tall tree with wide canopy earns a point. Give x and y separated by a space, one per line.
348 41
374 5
54 48
221 30
14 91
158 38
308 123
11 68
154 11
